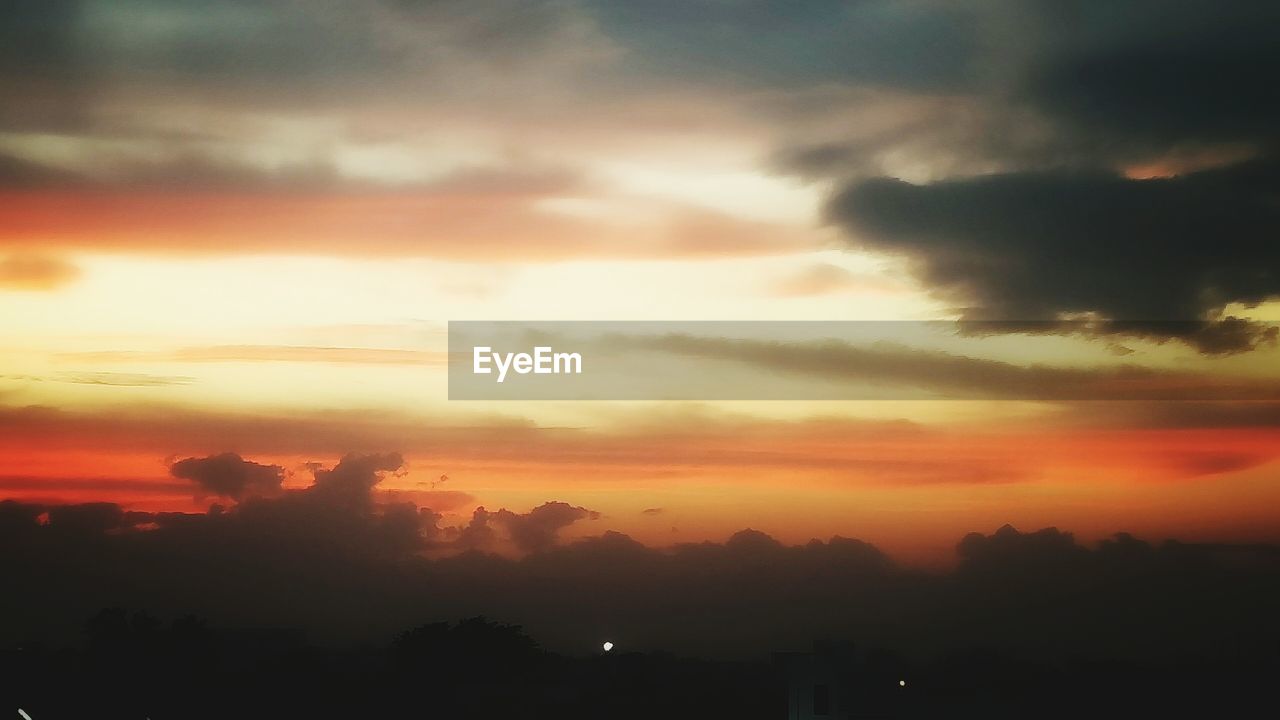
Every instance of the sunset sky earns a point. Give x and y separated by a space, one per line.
243 227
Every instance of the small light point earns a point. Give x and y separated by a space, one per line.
607 646
902 683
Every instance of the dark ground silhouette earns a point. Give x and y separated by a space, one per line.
132 665
305 597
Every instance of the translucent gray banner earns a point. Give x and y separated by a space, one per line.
855 360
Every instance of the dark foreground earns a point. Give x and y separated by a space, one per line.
130 665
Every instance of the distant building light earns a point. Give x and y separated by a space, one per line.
902 683
607 646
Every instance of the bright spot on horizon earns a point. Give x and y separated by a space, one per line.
607 646
902 683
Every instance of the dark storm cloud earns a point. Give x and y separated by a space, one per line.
1076 84
1036 246
38 36
920 45
229 475
1105 87
1150 73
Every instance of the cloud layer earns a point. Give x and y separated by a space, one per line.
1043 246
344 575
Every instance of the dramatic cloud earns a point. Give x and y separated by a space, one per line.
1147 450
1043 246
1120 164
1147 76
228 475
346 498
534 531
1045 85
339 514
352 480
774 43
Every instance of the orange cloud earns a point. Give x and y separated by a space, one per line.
910 487
455 225
35 272
829 452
